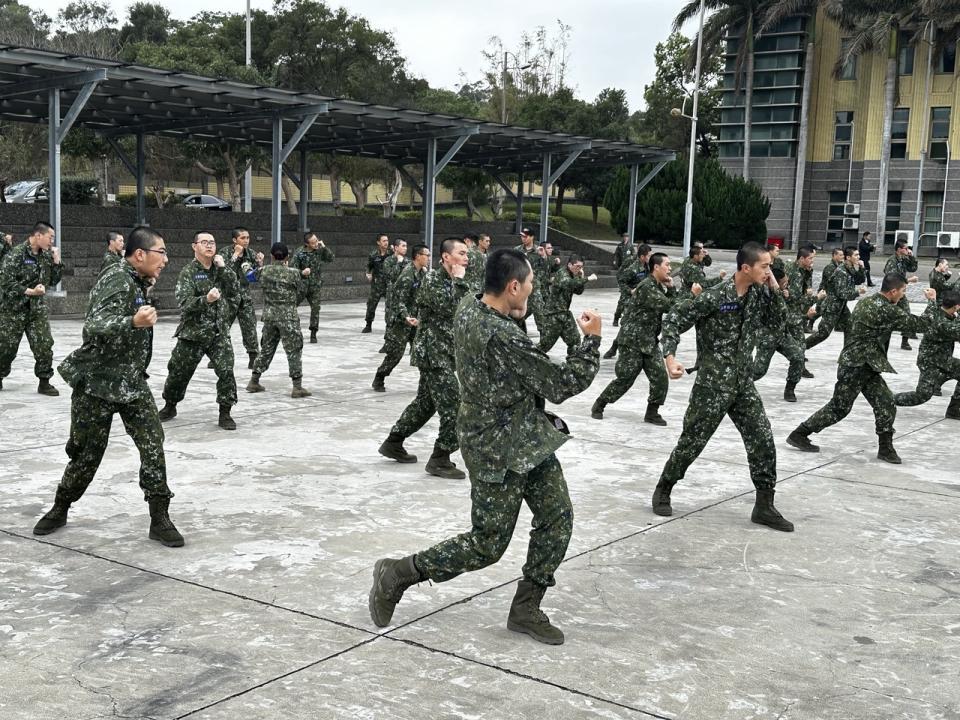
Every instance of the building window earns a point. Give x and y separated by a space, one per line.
947 62
905 55
939 132
892 224
849 69
838 199
932 215
842 135
898 133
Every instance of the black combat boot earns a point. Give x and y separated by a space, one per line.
1 383
788 392
886 451
661 499
440 465
378 382
612 352
367 328
168 411
764 513
253 359
254 384
953 409
596 412
313 336
527 617
390 579
652 416
905 343
800 439
382 350
299 391
806 373
225 421
55 518
161 526
393 448
45 388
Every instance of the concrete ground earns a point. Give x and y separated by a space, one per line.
263 614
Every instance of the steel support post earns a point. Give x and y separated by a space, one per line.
545 198
276 162
306 188
429 193
632 201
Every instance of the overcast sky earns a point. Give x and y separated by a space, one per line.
612 41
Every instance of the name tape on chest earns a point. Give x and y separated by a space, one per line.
730 307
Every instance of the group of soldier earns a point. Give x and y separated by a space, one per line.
465 321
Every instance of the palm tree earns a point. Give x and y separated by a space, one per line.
743 17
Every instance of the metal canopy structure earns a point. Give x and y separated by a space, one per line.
117 99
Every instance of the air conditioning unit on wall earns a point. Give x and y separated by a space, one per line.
948 240
851 209
905 235
851 223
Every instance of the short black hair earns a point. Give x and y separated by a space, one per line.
448 244
573 259
113 235
504 266
41 228
892 281
643 249
657 258
398 241
950 298
470 236
419 250
865 233
940 260
307 235
141 238
850 250
198 233
899 245
749 254
772 246
836 250
695 250
805 251
237 232
279 251
778 273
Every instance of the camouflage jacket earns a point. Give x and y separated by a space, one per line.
109 258
826 274
729 326
504 378
940 282
4 248
476 269
692 272
375 263
282 286
313 259
624 254
392 267
778 262
404 293
643 316
247 262
538 264
112 362
873 319
563 286
936 348
437 300
631 274
842 288
900 264
21 270
201 321
799 282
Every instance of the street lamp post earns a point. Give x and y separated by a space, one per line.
248 173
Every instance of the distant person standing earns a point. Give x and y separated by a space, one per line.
6 243
402 313
903 262
114 254
309 260
622 256
378 288
246 265
866 247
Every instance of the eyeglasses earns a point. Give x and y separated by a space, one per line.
158 252
207 243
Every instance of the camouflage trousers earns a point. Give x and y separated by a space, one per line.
378 290
831 319
790 344
493 515
183 362
395 339
312 296
36 325
932 378
851 382
437 393
273 333
248 322
707 407
90 421
904 305
558 326
621 302
630 361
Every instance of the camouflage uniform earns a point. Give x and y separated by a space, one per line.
509 445
312 283
628 277
558 321
729 326
691 273
787 338
282 289
108 376
778 264
204 330
476 269
941 282
438 391
4 248
539 265
639 343
243 310
392 267
20 314
623 257
902 264
935 360
109 259
402 304
841 286
378 286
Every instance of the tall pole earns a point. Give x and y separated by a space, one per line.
688 211
923 139
248 174
503 91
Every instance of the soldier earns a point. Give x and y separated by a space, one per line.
842 285
903 262
691 273
558 321
776 262
374 275
935 357
477 261
438 392
730 315
246 265
787 339
309 261
536 256
866 247
509 446
207 293
402 313
108 377
114 254
639 339
6 242
623 256
392 267
940 278
859 368
628 278
25 274
282 288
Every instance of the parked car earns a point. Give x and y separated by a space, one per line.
27 191
206 202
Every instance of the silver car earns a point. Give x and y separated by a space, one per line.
27 191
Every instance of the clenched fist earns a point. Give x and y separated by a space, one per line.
146 317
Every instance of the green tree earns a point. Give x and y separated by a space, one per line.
147 22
